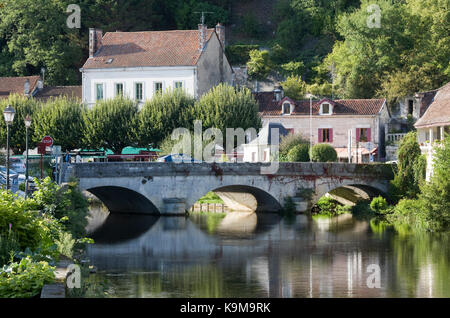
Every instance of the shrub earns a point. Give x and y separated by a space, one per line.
323 153
8 247
299 153
25 279
290 141
404 184
66 204
378 205
409 212
329 206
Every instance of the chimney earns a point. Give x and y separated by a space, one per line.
95 40
278 93
27 87
201 36
220 30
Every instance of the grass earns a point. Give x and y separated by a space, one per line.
210 197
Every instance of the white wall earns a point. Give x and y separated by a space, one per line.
339 123
129 76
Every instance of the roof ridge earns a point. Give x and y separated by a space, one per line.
156 31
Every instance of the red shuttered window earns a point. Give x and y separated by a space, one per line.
325 135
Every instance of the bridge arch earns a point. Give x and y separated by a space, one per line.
348 194
123 200
245 198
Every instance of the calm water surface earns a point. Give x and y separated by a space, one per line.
263 255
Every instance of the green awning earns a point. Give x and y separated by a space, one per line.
135 151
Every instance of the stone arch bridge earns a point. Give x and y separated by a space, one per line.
173 188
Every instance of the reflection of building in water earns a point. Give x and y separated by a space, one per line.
425 281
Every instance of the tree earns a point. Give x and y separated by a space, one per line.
404 184
161 115
110 124
293 68
435 194
290 141
407 53
299 153
62 119
323 153
227 107
294 87
259 65
35 35
22 106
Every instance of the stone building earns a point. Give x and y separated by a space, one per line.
332 121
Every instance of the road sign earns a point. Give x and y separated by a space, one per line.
41 148
48 141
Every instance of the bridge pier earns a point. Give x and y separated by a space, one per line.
174 206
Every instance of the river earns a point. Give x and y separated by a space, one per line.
263 255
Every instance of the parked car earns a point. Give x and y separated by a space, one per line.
17 164
13 176
31 184
177 158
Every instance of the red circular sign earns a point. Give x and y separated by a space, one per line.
48 141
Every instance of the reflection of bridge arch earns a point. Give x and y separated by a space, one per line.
246 198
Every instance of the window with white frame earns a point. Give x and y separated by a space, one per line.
158 87
99 91
326 109
139 91
178 84
286 108
119 89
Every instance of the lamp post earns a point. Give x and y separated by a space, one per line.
27 125
310 126
8 114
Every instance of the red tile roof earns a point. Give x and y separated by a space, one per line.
59 91
11 85
438 113
268 106
148 48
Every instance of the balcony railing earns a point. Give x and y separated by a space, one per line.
395 137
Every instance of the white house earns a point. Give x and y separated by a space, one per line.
434 125
259 149
139 64
331 121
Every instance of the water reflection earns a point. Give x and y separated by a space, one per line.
261 255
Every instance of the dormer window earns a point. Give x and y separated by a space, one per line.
326 109
287 108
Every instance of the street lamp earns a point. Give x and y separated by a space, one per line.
8 113
27 125
310 126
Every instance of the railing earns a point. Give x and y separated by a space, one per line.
395 137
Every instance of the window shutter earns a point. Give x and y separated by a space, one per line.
358 132
368 134
320 135
331 135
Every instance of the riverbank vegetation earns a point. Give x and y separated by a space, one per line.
118 123
415 203
35 232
